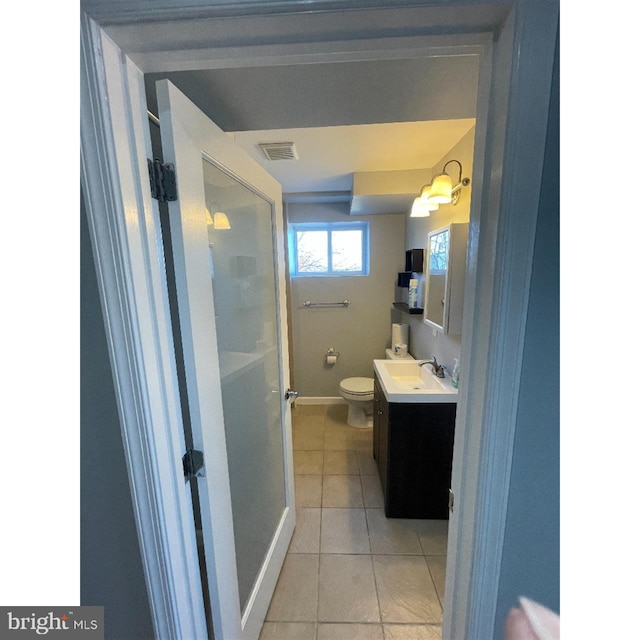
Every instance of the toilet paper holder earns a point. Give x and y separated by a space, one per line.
331 357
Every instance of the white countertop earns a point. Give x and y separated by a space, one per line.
405 381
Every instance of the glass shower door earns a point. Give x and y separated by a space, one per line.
227 239
243 283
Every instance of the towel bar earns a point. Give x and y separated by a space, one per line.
344 303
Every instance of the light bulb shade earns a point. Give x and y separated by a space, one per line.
422 208
220 220
441 188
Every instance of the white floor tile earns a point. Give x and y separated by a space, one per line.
351 573
391 535
306 537
365 443
347 590
308 490
372 492
342 491
438 566
308 410
308 462
339 440
368 466
350 631
412 632
295 598
308 438
405 590
288 631
344 462
433 536
344 531
337 414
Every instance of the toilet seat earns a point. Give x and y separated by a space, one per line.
357 386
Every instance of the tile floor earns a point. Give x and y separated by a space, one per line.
351 573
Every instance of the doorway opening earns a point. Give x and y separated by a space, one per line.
375 512
518 228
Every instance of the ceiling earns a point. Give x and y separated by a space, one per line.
348 109
344 118
328 157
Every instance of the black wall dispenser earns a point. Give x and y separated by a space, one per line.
414 263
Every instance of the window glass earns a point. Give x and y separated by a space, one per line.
346 250
329 249
312 251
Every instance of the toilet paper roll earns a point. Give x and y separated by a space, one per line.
399 333
332 359
400 350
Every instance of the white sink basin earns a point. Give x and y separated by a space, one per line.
407 382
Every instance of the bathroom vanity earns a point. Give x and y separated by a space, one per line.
413 442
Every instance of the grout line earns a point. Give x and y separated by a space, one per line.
320 534
318 585
434 585
321 513
375 582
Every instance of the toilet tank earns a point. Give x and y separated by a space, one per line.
393 356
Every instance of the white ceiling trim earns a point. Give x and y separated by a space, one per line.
270 55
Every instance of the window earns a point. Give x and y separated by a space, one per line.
329 249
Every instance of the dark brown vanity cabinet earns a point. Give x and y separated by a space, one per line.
413 448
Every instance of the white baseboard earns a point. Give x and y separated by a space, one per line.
320 400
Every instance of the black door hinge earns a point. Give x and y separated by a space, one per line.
162 178
193 464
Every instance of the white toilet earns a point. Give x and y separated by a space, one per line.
358 392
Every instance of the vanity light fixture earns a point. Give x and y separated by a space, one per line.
439 191
442 189
422 207
219 220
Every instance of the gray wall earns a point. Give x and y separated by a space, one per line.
111 572
360 332
531 554
422 342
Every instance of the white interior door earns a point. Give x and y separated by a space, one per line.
231 297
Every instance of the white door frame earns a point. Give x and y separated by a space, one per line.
512 116
127 248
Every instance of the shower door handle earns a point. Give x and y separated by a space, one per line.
290 394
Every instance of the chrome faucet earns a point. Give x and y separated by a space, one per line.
438 370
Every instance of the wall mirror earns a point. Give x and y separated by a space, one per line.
444 283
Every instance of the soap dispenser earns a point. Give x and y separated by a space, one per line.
455 373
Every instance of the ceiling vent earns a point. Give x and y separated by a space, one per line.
279 150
